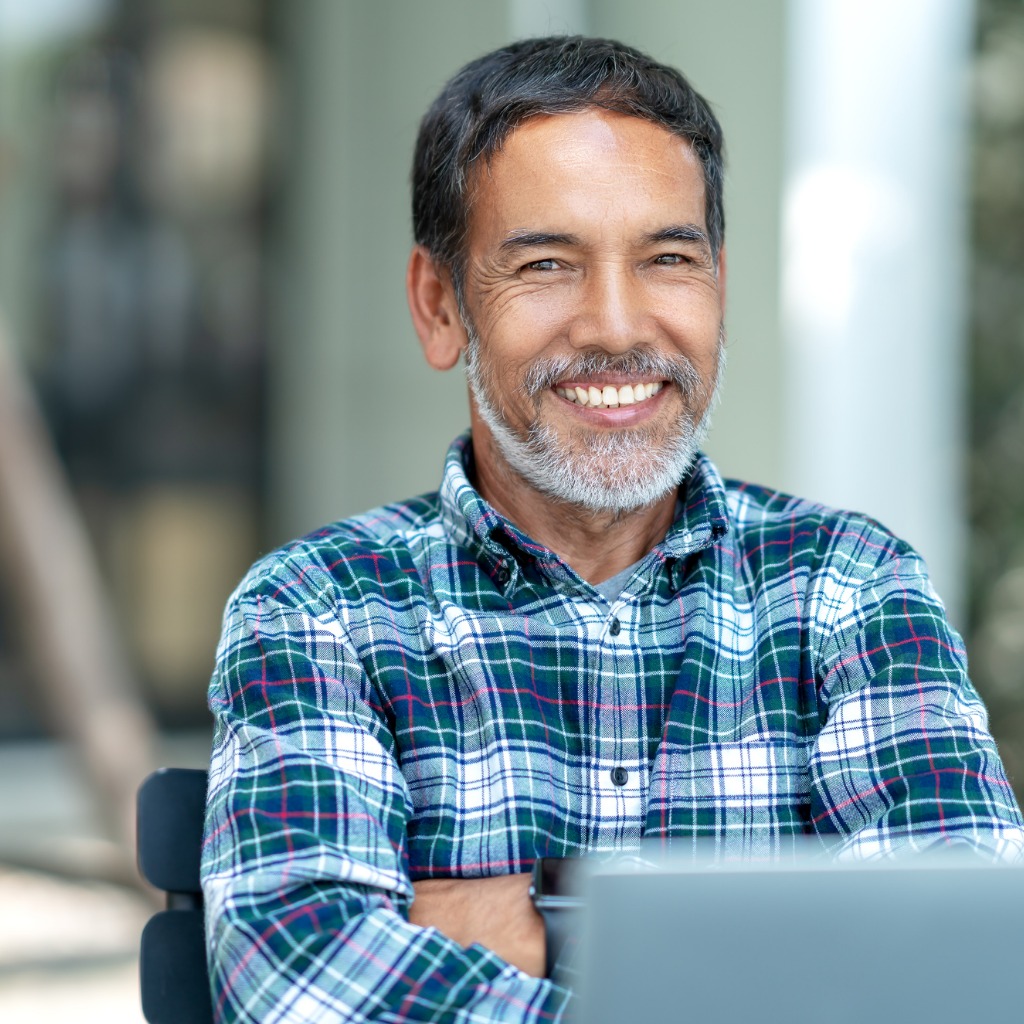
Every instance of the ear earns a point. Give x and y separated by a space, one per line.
721 278
435 313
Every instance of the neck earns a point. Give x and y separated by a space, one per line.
596 544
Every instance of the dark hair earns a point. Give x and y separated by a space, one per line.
481 104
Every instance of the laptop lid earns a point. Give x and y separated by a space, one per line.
922 941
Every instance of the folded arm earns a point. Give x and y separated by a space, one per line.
311 912
904 759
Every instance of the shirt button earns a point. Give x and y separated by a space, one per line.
619 775
501 576
614 627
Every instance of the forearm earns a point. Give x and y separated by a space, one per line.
495 912
352 957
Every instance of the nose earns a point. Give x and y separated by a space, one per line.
612 314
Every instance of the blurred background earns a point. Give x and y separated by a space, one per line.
204 350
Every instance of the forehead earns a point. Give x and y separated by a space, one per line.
589 166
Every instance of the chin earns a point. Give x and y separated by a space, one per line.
617 473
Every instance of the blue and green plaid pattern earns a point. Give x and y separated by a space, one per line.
423 691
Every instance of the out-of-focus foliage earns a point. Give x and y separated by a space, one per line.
996 466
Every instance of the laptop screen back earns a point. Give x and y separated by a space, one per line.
885 945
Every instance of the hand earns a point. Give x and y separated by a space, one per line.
497 912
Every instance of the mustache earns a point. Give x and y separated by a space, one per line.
639 362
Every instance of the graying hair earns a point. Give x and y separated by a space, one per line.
484 102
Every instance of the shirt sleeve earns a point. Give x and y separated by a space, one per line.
304 863
904 758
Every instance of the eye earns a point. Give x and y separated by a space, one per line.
671 259
541 265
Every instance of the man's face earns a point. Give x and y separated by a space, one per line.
594 309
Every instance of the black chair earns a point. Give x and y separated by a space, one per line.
172 956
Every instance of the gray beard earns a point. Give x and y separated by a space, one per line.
601 472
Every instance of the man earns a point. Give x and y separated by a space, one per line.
585 638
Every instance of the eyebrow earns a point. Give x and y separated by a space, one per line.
532 239
679 233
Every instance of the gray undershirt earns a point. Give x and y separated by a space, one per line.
610 588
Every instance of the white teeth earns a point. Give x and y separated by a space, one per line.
610 397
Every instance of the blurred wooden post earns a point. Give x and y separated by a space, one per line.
68 628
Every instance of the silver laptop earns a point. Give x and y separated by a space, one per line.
933 941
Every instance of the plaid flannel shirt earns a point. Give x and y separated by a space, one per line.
424 691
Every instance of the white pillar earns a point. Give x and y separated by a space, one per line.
873 266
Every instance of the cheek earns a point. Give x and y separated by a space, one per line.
503 373
525 315
528 336
514 346
694 327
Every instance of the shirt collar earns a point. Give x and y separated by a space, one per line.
701 517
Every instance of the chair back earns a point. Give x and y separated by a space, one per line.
172 957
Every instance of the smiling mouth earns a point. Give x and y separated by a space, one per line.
609 396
